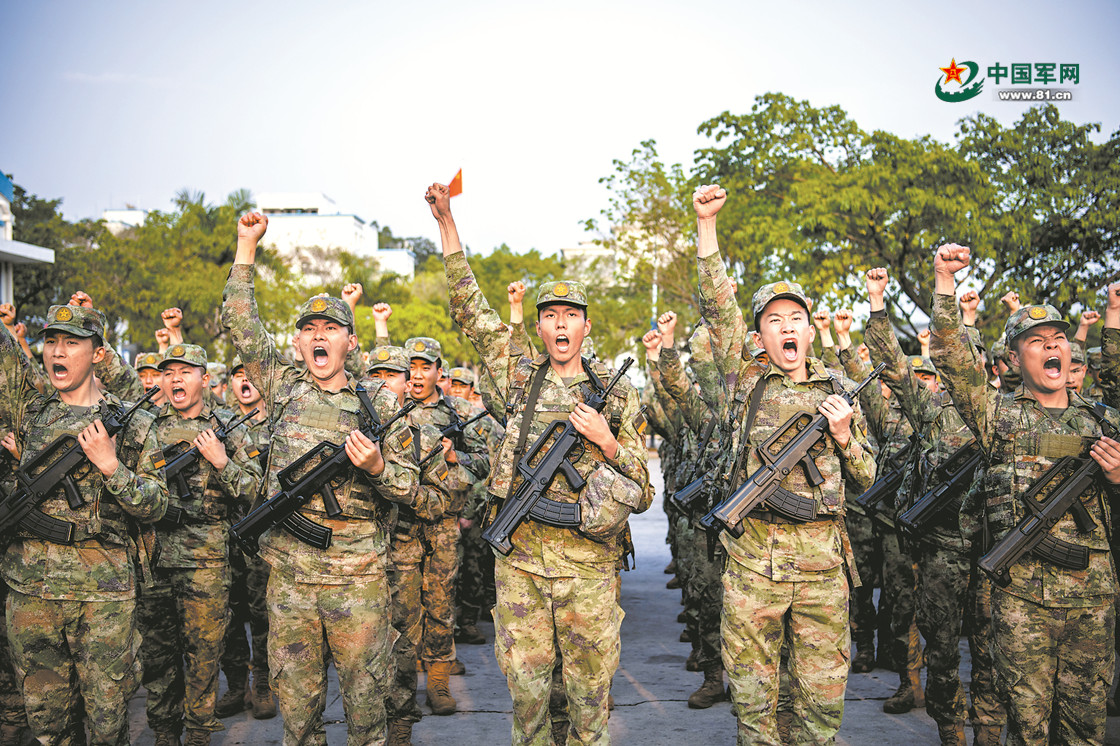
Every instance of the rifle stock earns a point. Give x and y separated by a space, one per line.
953 478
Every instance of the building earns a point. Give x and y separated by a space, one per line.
14 252
120 220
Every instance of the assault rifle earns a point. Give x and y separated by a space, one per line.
878 502
953 477
528 499
309 475
793 444
1061 486
55 467
180 461
454 431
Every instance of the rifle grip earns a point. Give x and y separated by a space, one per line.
73 496
574 477
330 502
1081 517
812 473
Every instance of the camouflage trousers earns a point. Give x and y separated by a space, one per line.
1053 665
540 621
55 643
406 581
183 621
247 606
700 581
758 615
349 623
944 595
867 548
899 585
475 589
440 568
12 711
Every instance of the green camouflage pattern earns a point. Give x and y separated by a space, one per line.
76 320
1108 368
774 291
388 357
325 307
184 353
147 360
564 291
423 348
12 711
1028 317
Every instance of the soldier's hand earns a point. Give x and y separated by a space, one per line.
822 321
438 197
252 226
172 318
923 338
1011 300
838 412
515 292
449 454
163 338
100 449
593 426
667 324
1088 318
352 293
7 314
707 200
842 320
950 258
212 449
382 311
364 453
10 445
970 301
877 279
864 352
82 299
1106 452
465 524
652 341
20 330
1114 296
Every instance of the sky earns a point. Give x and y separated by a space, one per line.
369 102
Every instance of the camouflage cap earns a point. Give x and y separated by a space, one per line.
325 307
999 349
217 373
1028 317
1093 356
587 349
462 375
184 353
568 292
424 348
1076 352
147 360
774 291
922 364
235 364
388 357
76 320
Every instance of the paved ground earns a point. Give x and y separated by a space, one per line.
650 690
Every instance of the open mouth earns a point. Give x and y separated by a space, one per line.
789 350
1052 367
246 390
562 343
319 355
59 372
178 394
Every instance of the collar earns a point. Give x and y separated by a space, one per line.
351 382
817 371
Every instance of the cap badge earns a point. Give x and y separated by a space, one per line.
64 314
781 287
318 305
418 347
916 362
383 355
178 351
560 290
1036 313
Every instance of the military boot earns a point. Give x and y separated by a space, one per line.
400 733
264 704
692 663
902 700
439 690
952 734
165 737
864 659
470 634
711 691
785 727
236 698
671 568
11 735
987 735
197 737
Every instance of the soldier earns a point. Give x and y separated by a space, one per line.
183 616
147 370
332 602
249 580
779 567
71 608
558 586
1052 626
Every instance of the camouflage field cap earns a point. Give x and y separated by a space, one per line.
587 349
922 364
1093 356
999 349
1028 317
76 320
148 360
217 373
184 353
424 348
565 291
235 364
774 291
325 307
1076 352
388 357
462 375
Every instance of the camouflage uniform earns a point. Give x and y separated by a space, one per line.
332 602
557 589
183 616
946 574
71 608
1052 627
779 568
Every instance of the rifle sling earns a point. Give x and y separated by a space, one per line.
367 405
752 412
527 416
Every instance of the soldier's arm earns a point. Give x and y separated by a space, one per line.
1109 375
857 459
241 479
676 384
381 314
913 397
520 332
141 493
960 364
16 380
398 481
630 460
655 414
119 379
717 297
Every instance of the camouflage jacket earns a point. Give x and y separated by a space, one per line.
781 551
203 537
540 549
1108 382
99 564
432 498
303 415
493 433
1022 440
473 462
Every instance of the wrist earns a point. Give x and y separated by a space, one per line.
109 469
969 318
877 302
944 283
843 340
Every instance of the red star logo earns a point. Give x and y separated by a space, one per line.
952 72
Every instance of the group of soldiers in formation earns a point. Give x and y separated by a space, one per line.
366 508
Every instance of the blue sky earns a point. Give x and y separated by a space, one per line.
369 102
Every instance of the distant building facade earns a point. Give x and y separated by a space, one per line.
14 252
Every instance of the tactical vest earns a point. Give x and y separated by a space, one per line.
211 506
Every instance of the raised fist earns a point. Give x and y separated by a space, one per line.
515 291
163 338
1011 300
7 314
652 341
1114 295
951 257
252 225
382 311
1089 317
923 338
352 293
842 319
877 281
80 298
438 197
20 330
822 321
864 353
707 200
667 323
172 318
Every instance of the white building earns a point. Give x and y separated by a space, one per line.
14 252
118 221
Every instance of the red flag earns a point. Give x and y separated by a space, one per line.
456 185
